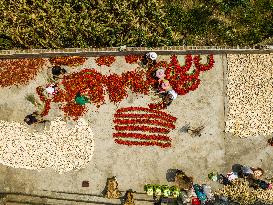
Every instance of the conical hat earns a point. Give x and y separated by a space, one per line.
153 55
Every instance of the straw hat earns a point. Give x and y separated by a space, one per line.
173 93
152 55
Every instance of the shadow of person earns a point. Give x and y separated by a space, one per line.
170 175
122 199
128 198
104 191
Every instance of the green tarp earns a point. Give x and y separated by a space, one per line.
81 99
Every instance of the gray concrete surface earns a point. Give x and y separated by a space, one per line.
136 166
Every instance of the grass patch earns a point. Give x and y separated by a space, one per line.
99 23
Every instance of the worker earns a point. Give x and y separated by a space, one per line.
34 118
150 58
151 55
160 74
58 72
51 89
164 86
247 171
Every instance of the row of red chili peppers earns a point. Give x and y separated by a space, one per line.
143 143
161 119
143 121
143 109
102 60
131 59
141 136
109 60
142 128
145 116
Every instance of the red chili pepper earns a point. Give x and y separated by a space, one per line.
92 83
141 136
143 116
19 71
141 128
131 59
143 121
68 60
145 143
105 60
144 109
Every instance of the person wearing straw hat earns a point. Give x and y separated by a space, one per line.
151 55
173 94
168 97
150 58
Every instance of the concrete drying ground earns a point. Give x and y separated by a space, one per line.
136 166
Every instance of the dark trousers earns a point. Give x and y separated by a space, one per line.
146 60
224 180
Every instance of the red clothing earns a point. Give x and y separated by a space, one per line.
195 201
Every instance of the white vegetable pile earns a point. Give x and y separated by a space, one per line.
59 147
250 94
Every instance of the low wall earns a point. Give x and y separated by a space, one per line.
179 50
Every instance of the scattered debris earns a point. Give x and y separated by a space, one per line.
191 130
31 99
196 131
123 48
